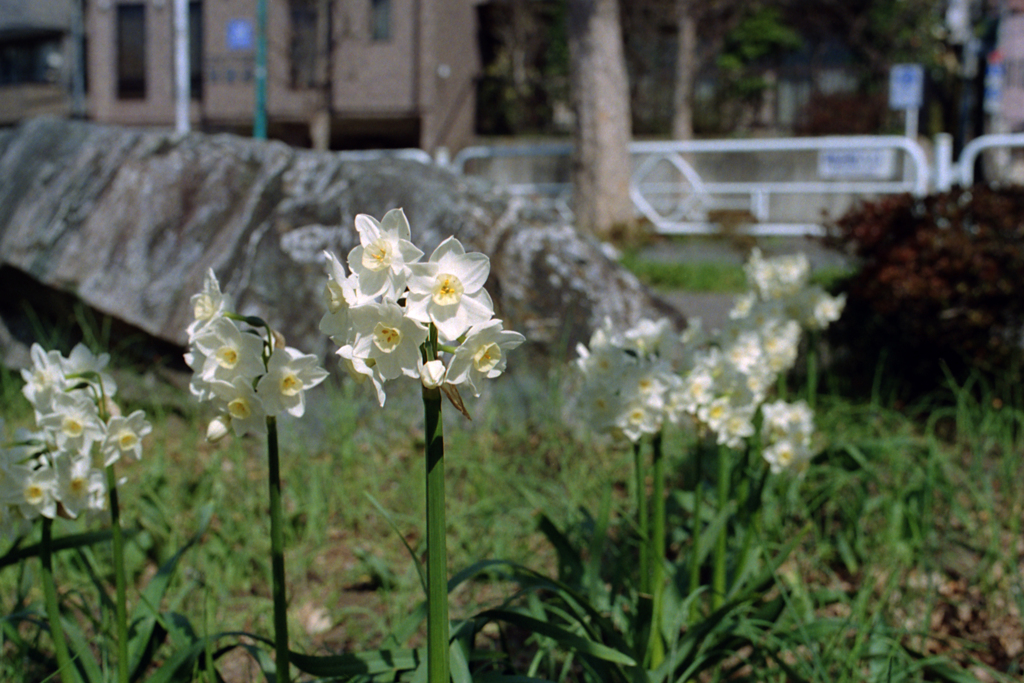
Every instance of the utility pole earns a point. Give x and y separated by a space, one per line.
259 119
78 108
182 67
320 124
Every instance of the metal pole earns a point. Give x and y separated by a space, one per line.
910 123
182 70
259 121
78 107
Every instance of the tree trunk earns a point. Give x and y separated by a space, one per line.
686 72
601 166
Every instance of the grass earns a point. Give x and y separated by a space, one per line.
706 275
911 563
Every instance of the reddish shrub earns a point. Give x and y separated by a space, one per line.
940 280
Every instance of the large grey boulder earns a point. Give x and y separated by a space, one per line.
129 220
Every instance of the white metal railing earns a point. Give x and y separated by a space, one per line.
668 190
971 151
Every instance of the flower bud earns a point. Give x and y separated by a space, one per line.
218 429
432 373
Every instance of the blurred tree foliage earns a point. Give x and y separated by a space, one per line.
744 48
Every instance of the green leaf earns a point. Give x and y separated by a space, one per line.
146 616
458 663
567 639
82 655
69 542
355 663
394 527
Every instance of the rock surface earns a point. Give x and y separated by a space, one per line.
129 220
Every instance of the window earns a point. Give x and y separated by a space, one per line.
380 19
303 43
195 49
33 60
131 51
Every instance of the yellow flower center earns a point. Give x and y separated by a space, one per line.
78 485
447 290
290 385
386 338
377 256
127 440
72 427
487 356
34 494
239 408
227 356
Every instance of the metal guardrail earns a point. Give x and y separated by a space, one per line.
668 190
407 154
973 149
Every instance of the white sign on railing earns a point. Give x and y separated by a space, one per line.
849 164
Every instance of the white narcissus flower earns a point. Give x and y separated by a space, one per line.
80 486
124 437
289 373
13 471
652 337
742 305
787 430
341 294
816 309
448 290
44 379
786 455
82 361
781 343
207 304
777 277
385 335
199 387
361 369
482 354
39 493
229 352
74 422
381 261
244 407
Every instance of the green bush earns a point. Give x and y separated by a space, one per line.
938 286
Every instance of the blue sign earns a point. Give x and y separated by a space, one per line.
995 74
906 86
240 34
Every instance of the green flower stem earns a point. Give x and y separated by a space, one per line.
718 571
437 561
812 369
657 551
642 519
697 529
52 606
277 555
120 584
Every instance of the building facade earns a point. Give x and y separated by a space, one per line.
341 74
38 59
